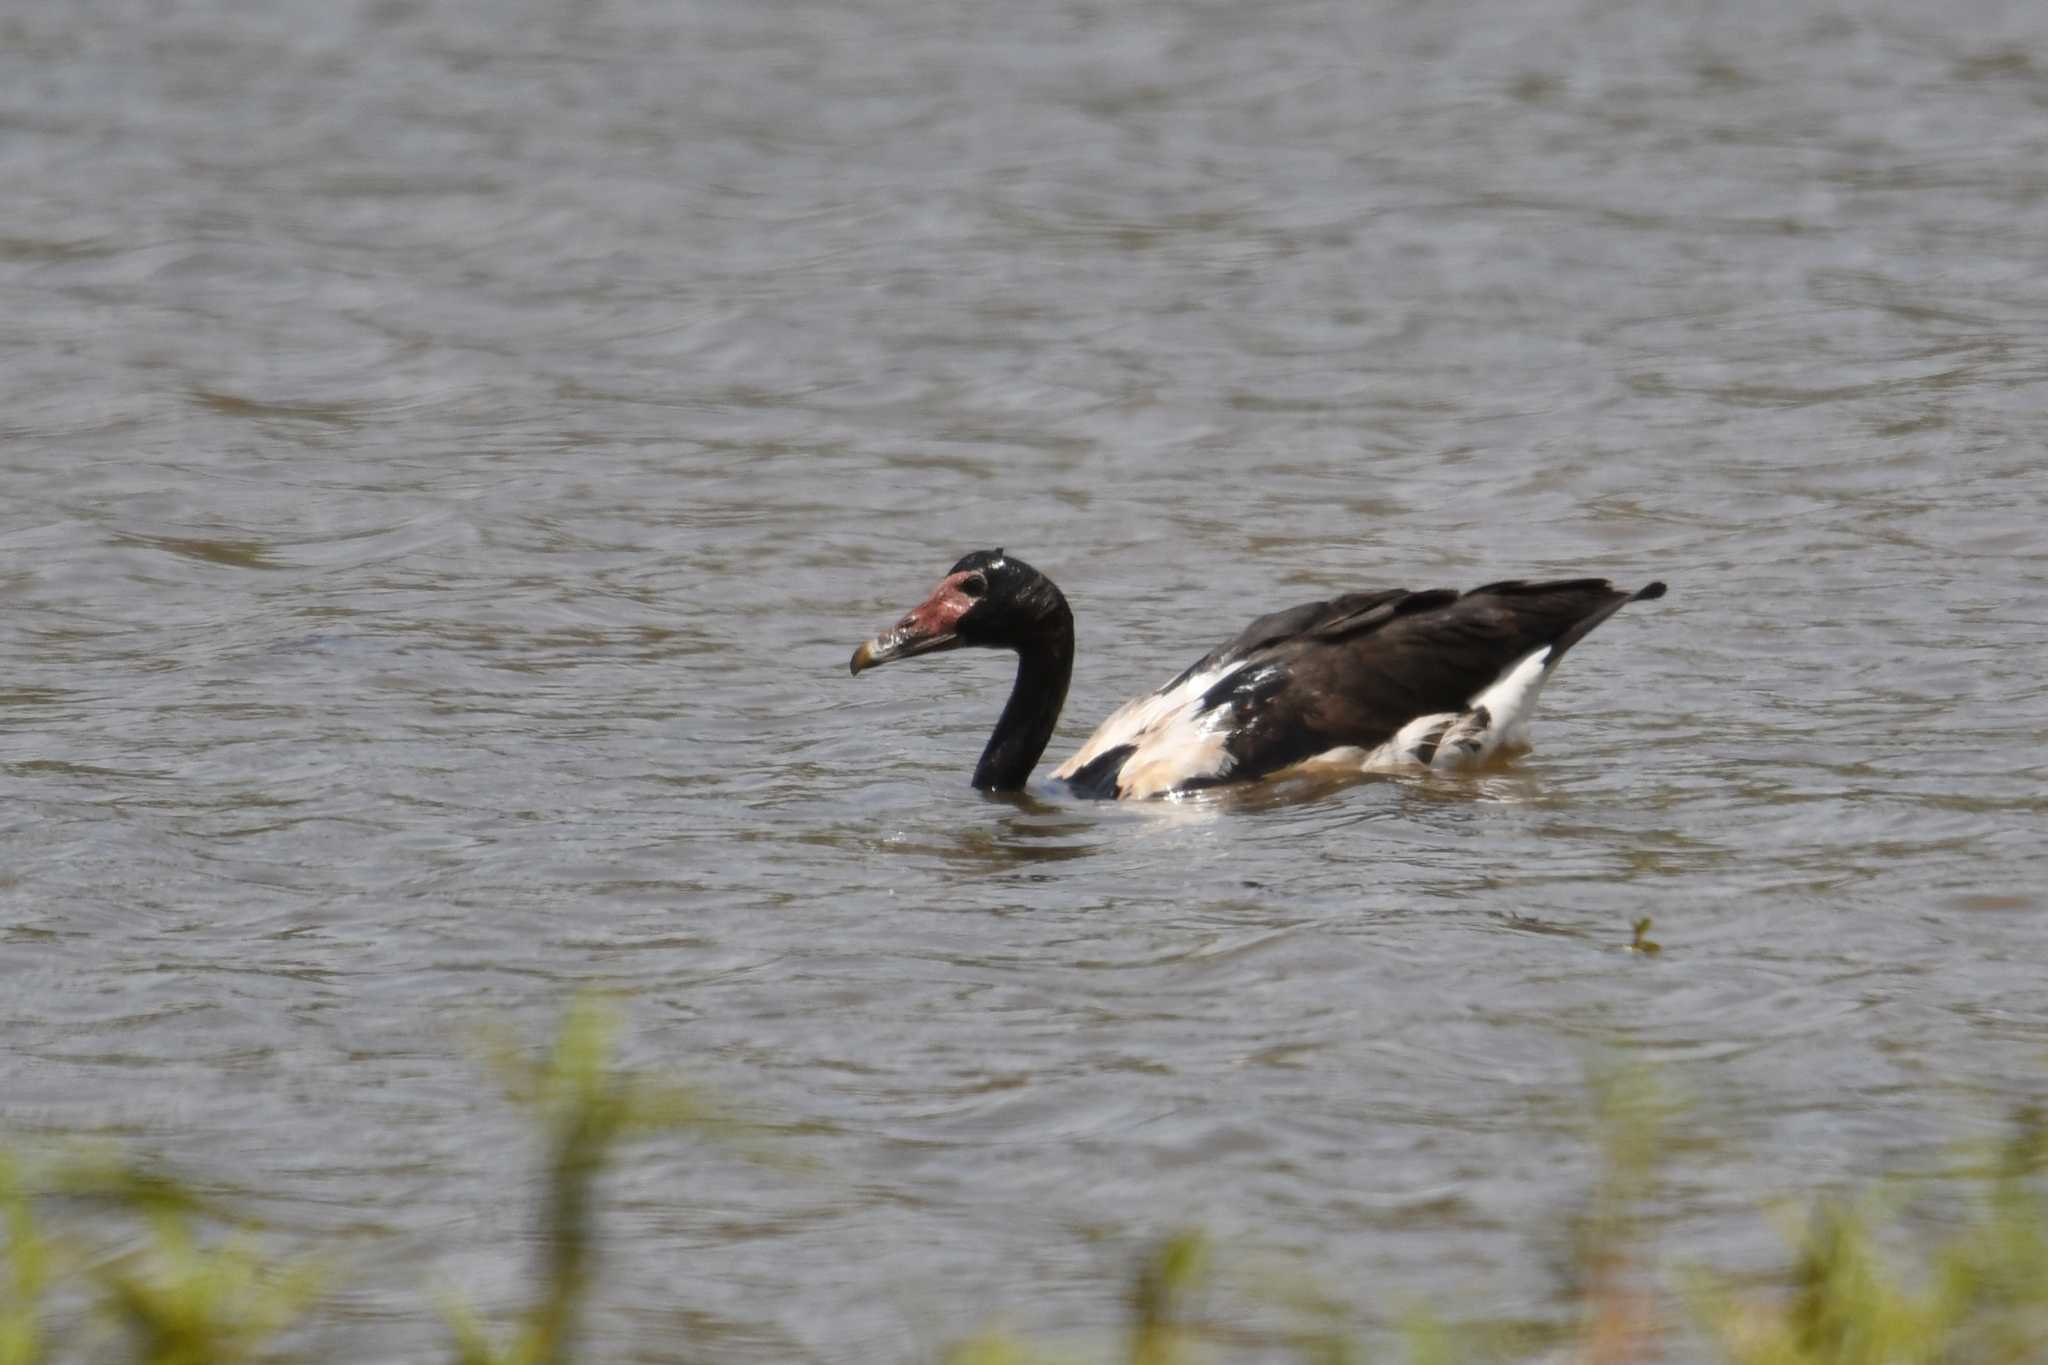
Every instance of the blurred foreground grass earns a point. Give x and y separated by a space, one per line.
185 1283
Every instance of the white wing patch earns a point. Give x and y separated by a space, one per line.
1173 742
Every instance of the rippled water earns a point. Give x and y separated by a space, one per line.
449 451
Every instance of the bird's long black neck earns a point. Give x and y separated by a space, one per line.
1045 664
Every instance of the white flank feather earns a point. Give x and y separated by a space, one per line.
1181 751
1447 741
1409 743
1497 718
1512 700
1164 730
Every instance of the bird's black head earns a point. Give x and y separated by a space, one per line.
988 598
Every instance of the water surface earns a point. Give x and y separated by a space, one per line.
449 452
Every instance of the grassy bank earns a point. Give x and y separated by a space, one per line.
104 1261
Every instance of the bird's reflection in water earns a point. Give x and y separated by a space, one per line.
1046 824
1316 788
1031 830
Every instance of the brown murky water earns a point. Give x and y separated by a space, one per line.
448 451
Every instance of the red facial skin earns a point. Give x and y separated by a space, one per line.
938 613
925 629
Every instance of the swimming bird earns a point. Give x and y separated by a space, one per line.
1390 679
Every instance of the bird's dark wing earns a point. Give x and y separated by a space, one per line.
1350 672
1434 657
1332 619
